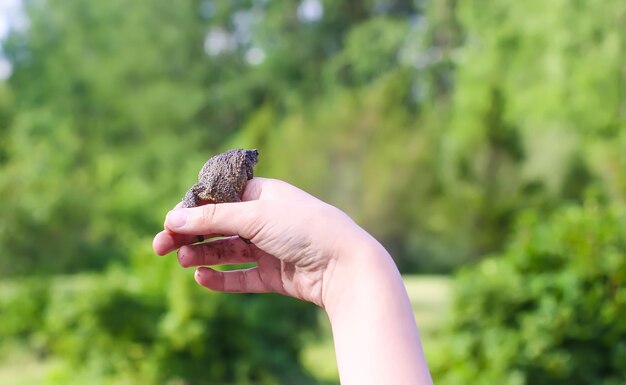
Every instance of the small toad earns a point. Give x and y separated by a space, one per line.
223 178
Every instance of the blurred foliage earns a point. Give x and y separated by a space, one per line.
155 325
550 310
435 124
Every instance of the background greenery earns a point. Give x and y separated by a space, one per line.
450 130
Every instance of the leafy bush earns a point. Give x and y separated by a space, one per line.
22 308
156 327
550 310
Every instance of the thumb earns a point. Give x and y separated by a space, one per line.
241 218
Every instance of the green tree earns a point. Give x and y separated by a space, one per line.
548 310
529 106
101 120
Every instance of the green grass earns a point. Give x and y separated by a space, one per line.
429 297
20 367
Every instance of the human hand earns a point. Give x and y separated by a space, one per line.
297 242
310 250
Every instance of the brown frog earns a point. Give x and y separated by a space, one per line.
222 178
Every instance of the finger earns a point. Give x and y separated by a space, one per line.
267 188
235 281
222 251
242 218
163 243
166 241
254 188
179 205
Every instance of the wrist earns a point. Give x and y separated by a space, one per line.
363 270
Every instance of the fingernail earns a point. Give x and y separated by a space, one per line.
176 218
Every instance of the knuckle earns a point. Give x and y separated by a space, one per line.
256 219
206 254
208 213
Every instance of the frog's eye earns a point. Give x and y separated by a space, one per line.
253 155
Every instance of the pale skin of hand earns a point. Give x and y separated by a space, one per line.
307 249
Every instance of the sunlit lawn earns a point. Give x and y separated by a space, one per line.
429 297
20 367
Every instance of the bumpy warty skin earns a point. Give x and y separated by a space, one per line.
223 178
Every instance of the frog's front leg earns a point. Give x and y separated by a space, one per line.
191 198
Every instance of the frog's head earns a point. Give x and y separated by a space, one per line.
252 158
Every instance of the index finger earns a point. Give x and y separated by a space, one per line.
166 241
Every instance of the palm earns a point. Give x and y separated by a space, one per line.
287 243
286 278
